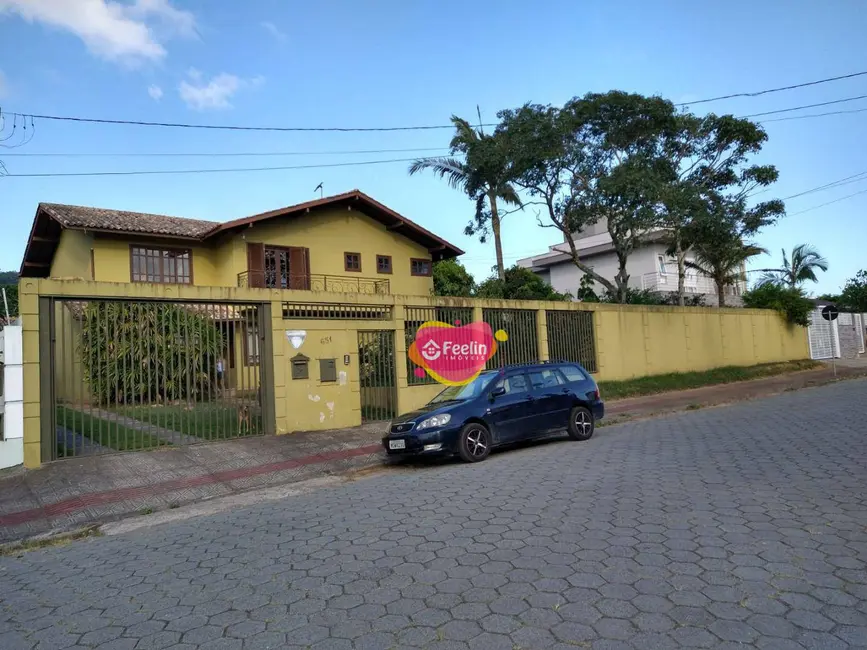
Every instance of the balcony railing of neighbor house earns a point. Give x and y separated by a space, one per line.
333 283
692 284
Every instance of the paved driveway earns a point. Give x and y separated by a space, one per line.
744 525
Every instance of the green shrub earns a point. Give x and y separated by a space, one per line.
789 301
147 352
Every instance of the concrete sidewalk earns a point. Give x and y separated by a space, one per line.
72 493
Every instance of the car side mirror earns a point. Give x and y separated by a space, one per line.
497 392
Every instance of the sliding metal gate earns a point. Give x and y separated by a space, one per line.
126 375
376 370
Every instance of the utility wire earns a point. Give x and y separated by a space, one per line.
142 172
822 205
219 154
773 90
854 178
226 127
804 117
798 108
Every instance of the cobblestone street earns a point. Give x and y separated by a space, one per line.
729 527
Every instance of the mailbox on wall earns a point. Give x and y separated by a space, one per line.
327 370
300 366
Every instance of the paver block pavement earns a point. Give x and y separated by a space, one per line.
743 526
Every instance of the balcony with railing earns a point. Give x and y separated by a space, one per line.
313 282
693 284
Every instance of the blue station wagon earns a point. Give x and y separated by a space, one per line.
500 407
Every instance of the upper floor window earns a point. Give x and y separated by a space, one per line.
383 263
162 265
352 262
420 267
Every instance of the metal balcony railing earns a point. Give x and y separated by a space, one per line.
313 282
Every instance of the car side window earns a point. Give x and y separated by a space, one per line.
573 373
548 378
514 384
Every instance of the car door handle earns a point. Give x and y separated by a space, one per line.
565 390
530 398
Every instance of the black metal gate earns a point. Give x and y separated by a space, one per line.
571 337
376 370
520 326
130 375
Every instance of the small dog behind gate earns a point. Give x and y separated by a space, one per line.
244 419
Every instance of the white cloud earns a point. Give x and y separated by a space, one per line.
155 92
272 29
202 94
128 33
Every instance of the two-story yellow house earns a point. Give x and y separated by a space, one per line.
348 243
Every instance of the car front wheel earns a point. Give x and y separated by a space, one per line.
474 443
581 423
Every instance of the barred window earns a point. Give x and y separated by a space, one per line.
161 265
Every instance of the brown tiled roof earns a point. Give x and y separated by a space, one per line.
76 216
51 218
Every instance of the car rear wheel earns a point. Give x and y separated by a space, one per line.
474 443
581 423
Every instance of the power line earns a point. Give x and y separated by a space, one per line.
141 172
854 178
804 117
217 154
773 90
798 108
228 127
822 205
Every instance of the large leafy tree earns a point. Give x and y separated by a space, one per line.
520 284
451 278
482 176
599 157
716 234
797 268
854 294
708 166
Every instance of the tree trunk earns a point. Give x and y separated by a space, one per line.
605 282
681 269
622 279
498 244
721 293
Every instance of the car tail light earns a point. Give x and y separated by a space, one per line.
597 394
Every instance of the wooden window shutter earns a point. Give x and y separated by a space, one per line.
256 266
299 268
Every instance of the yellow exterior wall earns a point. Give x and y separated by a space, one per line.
329 235
631 341
217 263
72 257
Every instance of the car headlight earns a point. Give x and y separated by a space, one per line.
434 421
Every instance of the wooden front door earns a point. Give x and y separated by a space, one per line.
278 267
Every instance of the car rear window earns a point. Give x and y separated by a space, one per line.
573 373
547 378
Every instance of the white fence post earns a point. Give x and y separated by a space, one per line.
11 397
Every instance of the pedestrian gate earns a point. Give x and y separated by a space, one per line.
129 375
376 370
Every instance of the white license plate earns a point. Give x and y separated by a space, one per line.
397 444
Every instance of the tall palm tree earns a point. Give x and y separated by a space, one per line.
487 184
802 266
723 262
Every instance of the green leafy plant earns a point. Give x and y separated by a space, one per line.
520 284
451 278
854 295
147 352
801 266
789 301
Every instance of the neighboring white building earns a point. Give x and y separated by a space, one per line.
649 266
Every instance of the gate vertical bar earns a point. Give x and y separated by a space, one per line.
47 411
266 391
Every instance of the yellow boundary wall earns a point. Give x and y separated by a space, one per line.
631 341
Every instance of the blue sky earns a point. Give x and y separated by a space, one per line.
389 62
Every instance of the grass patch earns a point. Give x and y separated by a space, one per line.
208 421
685 380
103 432
17 549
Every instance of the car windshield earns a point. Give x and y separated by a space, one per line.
463 393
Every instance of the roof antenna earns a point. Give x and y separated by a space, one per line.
321 191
